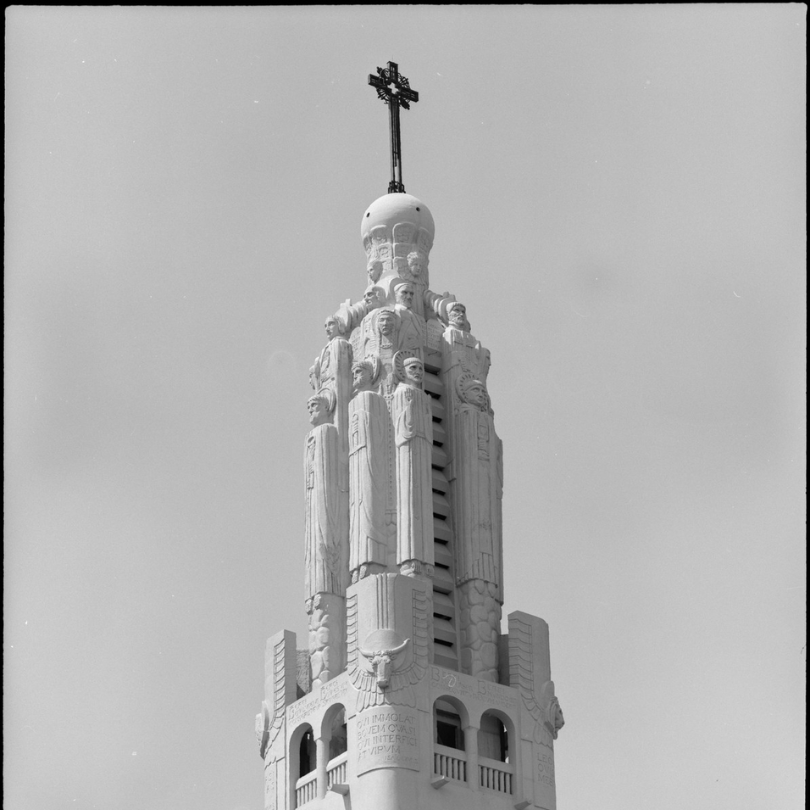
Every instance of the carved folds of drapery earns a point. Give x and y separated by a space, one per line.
413 436
477 496
333 371
370 474
325 552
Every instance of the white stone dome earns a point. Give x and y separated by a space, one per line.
392 210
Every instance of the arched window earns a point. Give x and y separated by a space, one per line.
338 736
448 730
493 740
306 754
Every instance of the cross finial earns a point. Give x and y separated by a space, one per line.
395 91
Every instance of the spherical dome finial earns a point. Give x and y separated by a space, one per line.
397 211
393 227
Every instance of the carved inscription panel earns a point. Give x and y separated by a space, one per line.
465 686
387 738
545 767
543 777
307 708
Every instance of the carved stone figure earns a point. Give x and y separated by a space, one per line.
378 336
417 273
326 563
373 297
477 489
332 369
370 472
374 270
366 375
412 333
413 436
350 316
323 550
476 460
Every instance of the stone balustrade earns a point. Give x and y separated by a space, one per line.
450 762
337 770
495 775
306 789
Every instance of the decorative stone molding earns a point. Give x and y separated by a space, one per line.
385 660
530 672
280 688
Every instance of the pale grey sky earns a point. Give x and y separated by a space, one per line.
619 197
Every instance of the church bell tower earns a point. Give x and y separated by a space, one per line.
408 694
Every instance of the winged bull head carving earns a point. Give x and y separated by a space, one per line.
382 662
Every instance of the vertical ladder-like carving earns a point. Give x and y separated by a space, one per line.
445 650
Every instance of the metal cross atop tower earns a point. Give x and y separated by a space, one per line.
395 91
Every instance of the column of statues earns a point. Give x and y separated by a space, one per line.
368 462
476 475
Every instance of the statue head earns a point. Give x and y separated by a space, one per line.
374 270
414 371
457 316
473 391
320 407
333 327
372 297
365 374
409 368
415 264
387 322
487 363
405 293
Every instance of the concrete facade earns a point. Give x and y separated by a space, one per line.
407 694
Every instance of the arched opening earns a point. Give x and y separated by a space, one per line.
338 737
493 739
447 725
307 756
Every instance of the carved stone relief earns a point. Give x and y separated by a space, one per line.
326 636
388 643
